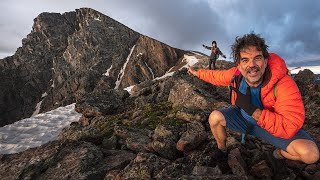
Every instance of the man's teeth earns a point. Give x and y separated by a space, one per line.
253 71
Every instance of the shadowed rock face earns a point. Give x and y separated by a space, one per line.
69 55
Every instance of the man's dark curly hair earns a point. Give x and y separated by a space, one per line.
247 40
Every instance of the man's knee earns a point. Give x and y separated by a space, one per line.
307 150
215 118
311 154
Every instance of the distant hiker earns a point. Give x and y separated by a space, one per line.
215 52
266 102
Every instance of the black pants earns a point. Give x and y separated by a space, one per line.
213 63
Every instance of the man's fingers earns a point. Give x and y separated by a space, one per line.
190 71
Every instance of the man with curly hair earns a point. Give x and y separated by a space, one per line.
266 102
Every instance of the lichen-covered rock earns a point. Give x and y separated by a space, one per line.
164 141
192 137
144 166
137 140
55 160
304 79
185 94
103 103
78 133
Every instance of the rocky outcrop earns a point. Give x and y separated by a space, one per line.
156 138
27 75
311 97
149 59
67 56
304 80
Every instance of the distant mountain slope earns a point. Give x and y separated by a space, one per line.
295 70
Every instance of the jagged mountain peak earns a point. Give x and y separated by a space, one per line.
79 18
68 55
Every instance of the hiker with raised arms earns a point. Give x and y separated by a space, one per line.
266 102
215 52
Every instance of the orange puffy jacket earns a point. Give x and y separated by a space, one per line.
283 115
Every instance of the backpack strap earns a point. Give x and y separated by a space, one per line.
275 89
243 135
236 74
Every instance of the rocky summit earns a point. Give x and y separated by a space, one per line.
67 56
157 131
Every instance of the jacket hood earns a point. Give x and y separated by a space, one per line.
276 70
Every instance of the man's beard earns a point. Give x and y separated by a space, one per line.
256 79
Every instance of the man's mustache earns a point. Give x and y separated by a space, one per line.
255 68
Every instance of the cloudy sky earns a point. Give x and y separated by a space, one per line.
291 28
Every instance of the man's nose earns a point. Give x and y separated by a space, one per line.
252 63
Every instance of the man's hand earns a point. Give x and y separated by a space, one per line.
193 72
243 101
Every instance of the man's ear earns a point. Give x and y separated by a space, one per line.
238 65
266 62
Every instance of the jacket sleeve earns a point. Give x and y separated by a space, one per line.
207 47
219 52
288 115
217 77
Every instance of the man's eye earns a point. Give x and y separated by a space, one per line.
258 58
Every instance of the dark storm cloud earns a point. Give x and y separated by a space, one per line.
291 28
301 36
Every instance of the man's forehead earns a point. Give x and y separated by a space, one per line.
250 50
